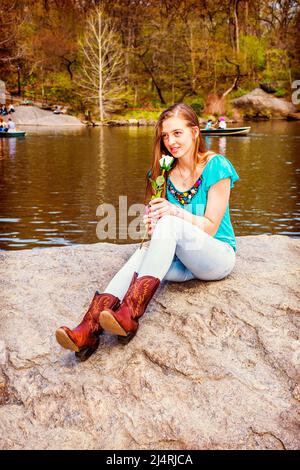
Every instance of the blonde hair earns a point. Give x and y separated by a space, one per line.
199 156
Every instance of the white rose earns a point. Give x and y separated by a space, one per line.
166 162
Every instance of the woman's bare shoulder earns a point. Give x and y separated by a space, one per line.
209 155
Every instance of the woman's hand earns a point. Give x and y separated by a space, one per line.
156 209
148 221
160 207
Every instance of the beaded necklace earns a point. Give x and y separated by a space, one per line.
184 197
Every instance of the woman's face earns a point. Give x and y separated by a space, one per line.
178 138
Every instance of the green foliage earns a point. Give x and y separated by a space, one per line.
264 114
138 114
29 94
197 103
253 52
280 92
198 106
277 67
239 92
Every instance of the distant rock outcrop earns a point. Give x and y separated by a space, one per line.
28 115
259 103
214 365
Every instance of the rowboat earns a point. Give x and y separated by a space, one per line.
13 134
228 131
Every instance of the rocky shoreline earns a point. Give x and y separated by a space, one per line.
261 105
122 122
257 105
27 115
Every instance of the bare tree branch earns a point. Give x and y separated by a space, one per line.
102 62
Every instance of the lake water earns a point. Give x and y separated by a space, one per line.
52 181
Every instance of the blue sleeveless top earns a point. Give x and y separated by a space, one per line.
217 168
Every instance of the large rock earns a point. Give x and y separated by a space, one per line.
213 365
34 116
260 103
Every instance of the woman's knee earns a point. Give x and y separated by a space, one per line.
166 227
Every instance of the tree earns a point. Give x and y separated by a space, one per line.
102 65
11 18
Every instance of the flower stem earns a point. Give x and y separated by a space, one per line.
156 195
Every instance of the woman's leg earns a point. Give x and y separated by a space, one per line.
178 272
84 339
204 256
119 284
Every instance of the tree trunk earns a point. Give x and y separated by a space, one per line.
159 92
236 26
128 43
246 16
173 73
193 64
69 64
235 82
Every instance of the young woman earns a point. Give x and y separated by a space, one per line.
191 233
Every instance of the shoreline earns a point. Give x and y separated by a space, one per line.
152 122
34 116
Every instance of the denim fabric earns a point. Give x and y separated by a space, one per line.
178 251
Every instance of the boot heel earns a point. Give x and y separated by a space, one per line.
84 354
125 339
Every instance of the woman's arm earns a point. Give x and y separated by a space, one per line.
217 201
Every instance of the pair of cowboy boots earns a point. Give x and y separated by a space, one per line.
107 314
124 321
84 339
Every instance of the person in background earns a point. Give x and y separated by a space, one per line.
222 123
11 109
4 110
57 110
209 124
11 124
3 125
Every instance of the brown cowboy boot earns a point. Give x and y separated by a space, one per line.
124 321
84 339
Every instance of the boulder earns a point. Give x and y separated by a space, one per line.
213 364
35 116
259 103
133 122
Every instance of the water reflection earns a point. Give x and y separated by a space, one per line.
208 142
101 166
12 141
222 145
221 142
1 149
52 182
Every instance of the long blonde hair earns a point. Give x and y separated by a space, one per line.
199 156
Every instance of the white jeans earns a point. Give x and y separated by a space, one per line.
178 251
